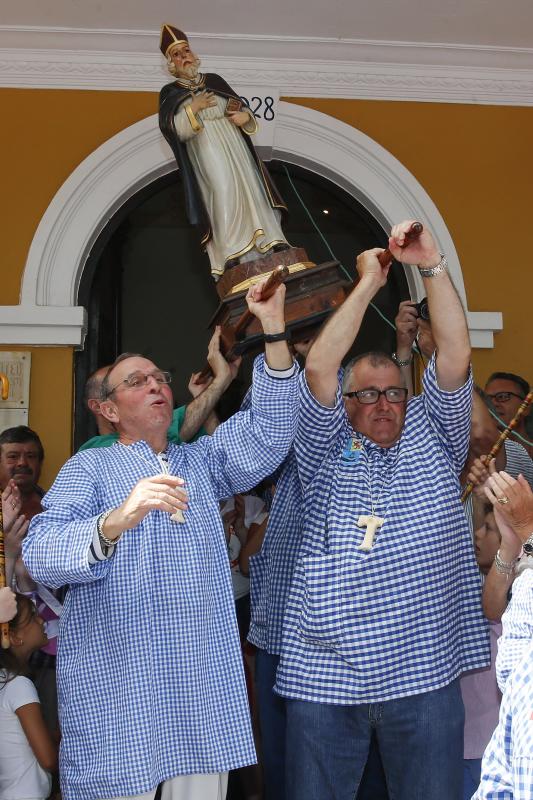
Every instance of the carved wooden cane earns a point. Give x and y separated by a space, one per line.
501 439
230 335
4 626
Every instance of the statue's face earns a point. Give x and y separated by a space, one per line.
184 60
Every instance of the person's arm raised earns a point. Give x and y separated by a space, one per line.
201 411
271 314
448 321
339 332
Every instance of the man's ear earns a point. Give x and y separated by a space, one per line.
109 411
93 405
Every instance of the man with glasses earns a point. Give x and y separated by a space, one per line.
151 683
507 392
384 610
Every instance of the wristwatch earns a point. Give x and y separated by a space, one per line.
402 362
430 272
528 546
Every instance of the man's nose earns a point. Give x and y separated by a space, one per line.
152 383
22 460
382 403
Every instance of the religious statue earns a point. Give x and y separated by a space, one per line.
228 192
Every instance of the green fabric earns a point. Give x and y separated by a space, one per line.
173 432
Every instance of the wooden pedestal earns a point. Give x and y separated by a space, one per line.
312 292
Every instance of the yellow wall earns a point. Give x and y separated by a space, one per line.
474 161
51 404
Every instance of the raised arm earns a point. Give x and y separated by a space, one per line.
201 411
406 330
338 334
448 321
251 444
271 314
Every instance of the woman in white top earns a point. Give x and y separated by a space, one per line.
27 753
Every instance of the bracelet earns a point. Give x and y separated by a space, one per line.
402 362
104 541
430 272
276 337
505 567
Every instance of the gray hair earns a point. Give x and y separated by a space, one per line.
376 358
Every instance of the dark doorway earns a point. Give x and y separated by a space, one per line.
148 289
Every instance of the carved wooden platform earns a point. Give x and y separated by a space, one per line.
313 291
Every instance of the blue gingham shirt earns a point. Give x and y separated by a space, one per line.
150 673
518 460
406 617
272 567
507 767
517 626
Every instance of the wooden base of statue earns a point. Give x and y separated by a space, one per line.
313 291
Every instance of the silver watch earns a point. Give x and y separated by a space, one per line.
528 546
402 362
430 272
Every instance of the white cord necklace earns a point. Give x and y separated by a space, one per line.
371 522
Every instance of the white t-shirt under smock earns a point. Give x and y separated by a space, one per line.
21 776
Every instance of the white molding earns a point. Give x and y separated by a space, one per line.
138 155
351 69
42 325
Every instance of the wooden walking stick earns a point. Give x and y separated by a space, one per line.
502 437
230 335
4 626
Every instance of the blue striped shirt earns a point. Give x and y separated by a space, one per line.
507 767
517 625
271 568
406 617
150 674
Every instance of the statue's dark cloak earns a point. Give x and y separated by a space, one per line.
170 98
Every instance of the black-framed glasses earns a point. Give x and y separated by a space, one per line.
504 397
394 394
137 380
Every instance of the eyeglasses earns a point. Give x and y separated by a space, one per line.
394 394
504 397
137 380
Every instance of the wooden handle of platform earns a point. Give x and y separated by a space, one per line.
413 233
4 626
232 333
522 408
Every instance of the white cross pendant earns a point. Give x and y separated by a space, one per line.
372 524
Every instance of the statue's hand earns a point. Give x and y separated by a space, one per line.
239 118
203 100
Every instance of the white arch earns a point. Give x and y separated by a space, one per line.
136 156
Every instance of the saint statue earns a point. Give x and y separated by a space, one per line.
228 192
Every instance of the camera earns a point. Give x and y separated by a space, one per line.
422 309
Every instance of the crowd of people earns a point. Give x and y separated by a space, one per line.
299 586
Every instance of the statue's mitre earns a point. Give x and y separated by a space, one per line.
170 37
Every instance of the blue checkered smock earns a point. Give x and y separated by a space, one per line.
151 682
271 568
406 617
517 626
507 767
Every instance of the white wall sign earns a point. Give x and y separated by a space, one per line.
16 365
